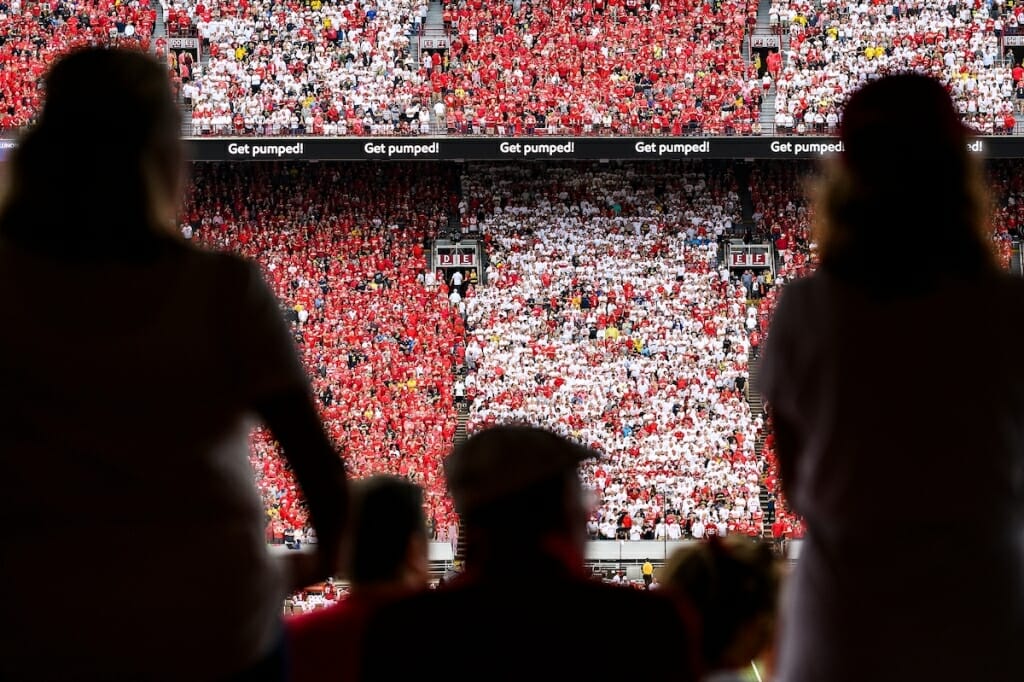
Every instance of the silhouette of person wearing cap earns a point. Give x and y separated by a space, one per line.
859 422
522 506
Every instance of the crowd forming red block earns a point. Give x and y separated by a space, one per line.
782 213
34 34
599 66
342 248
1007 187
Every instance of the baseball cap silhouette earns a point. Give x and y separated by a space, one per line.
499 462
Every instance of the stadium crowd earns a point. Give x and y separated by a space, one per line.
781 214
629 67
348 266
607 319
605 67
606 315
1007 189
835 48
602 66
33 34
316 68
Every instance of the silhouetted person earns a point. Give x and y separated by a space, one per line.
733 585
888 376
127 388
524 607
386 558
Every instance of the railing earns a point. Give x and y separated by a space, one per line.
186 32
439 129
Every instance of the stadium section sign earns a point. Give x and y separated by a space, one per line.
532 148
740 259
765 40
456 260
434 43
183 44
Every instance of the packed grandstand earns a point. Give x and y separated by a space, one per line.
604 309
604 306
522 67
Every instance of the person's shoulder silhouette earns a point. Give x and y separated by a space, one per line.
524 606
127 390
878 374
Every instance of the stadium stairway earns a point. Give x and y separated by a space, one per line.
754 387
160 27
1016 266
186 111
757 408
742 171
768 112
433 28
763 12
160 31
768 103
462 418
186 119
